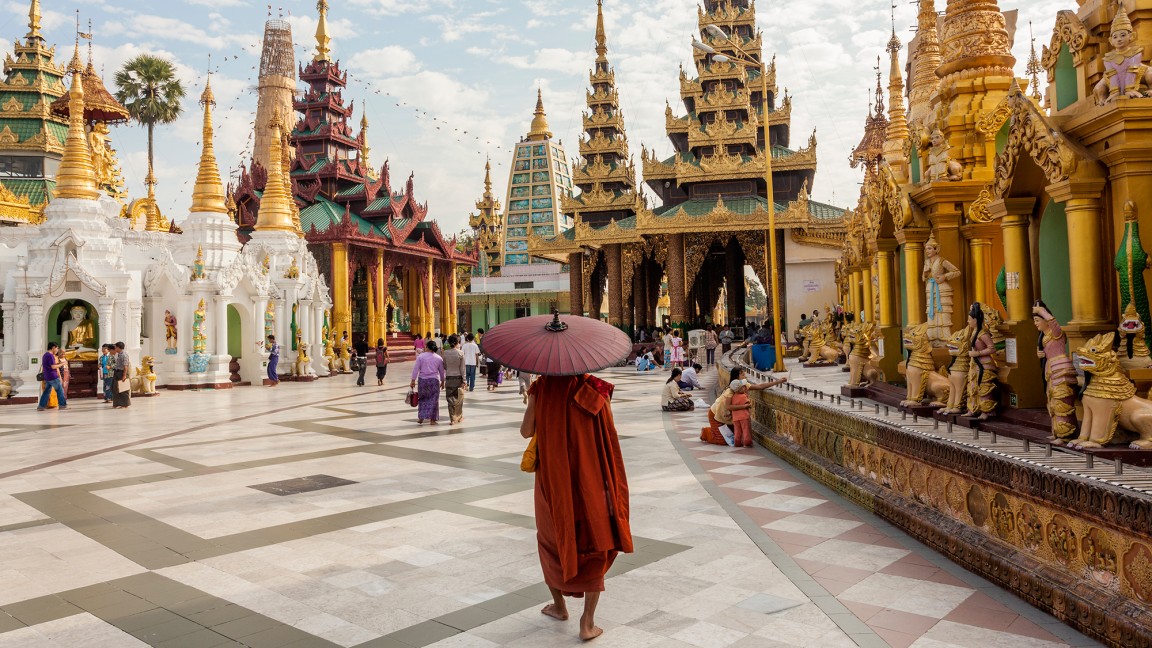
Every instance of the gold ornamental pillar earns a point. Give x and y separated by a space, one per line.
576 284
430 297
416 314
1014 214
857 292
913 242
980 253
341 291
615 285
675 270
1090 284
371 332
453 307
381 299
889 287
868 308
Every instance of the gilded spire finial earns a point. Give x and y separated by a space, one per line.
275 214
322 39
925 61
154 221
76 177
601 35
1033 68
488 178
540 121
363 139
208 194
897 131
34 22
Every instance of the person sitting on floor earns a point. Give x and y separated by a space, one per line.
689 379
645 362
672 399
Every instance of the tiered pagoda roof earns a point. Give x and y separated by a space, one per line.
340 198
870 150
606 177
714 181
486 223
32 81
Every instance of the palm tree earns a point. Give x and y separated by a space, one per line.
148 88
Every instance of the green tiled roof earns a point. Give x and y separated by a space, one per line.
325 213
820 211
351 191
316 166
378 204
36 191
741 205
23 128
58 130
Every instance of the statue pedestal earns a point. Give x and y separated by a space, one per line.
85 375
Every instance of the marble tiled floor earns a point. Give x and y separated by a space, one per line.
142 527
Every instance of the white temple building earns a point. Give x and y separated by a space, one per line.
224 296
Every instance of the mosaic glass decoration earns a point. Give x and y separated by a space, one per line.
542 190
544 230
516 246
519 192
541 217
541 203
520 178
517 219
521 165
516 259
517 232
518 205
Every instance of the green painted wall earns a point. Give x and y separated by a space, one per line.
1002 138
1055 279
1066 91
915 167
235 331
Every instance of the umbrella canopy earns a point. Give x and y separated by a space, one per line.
555 345
99 104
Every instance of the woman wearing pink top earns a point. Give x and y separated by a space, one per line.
428 372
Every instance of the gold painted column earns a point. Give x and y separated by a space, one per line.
341 290
913 274
576 284
675 269
371 332
1085 253
416 315
381 299
430 297
454 318
615 285
889 291
1014 216
857 293
980 250
868 307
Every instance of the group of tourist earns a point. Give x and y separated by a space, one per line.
452 367
55 374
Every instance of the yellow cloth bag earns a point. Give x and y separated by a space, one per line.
529 461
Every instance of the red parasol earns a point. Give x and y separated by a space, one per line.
551 345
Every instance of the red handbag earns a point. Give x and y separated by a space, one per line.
413 398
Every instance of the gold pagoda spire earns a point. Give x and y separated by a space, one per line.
76 177
601 35
540 121
488 179
275 213
34 22
925 60
322 39
286 172
208 195
897 117
154 221
975 38
365 161
1033 69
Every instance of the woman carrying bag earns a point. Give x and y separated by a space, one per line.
121 385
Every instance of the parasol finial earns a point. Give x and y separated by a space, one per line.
556 326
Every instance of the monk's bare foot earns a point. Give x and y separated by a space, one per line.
555 612
589 631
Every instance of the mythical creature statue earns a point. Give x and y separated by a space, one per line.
340 362
1133 349
5 388
920 373
1130 263
329 354
1109 399
1125 74
822 350
863 365
958 346
293 271
144 382
806 332
1059 373
982 371
303 366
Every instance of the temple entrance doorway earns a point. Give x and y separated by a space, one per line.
360 296
246 365
235 344
73 324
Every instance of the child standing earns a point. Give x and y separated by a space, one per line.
741 409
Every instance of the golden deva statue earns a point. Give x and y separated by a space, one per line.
941 166
1125 74
293 271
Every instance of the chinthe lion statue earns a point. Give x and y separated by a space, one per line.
144 382
5 388
864 358
920 374
303 365
822 351
958 347
1109 399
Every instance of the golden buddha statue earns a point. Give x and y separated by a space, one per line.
79 335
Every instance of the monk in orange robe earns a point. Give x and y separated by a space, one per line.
581 490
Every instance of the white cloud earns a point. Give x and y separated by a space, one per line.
384 61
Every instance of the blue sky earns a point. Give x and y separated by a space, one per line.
474 65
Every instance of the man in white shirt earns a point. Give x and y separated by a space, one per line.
471 351
689 379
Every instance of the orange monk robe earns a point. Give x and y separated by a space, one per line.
581 488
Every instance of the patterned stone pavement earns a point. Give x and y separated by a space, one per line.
322 515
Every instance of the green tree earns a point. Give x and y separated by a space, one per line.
755 300
148 88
